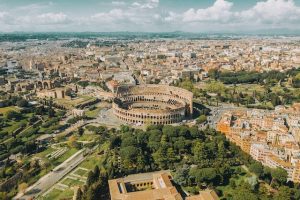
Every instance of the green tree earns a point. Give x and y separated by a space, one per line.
96 173
80 131
22 103
171 155
79 194
11 114
182 175
160 158
280 175
257 168
284 193
200 151
244 193
204 176
129 156
201 119
90 178
215 87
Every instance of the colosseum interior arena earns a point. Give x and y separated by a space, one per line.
152 104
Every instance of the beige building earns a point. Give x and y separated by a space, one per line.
273 161
151 186
259 152
147 186
296 173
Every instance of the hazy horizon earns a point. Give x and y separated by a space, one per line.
208 16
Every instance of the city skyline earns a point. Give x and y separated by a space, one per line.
228 16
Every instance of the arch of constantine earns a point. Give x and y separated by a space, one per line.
152 104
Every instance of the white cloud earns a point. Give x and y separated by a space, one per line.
44 19
219 11
272 11
172 17
113 16
281 13
146 15
53 18
148 4
3 15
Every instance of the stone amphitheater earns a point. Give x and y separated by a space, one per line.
152 104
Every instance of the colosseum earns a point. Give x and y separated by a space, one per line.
152 104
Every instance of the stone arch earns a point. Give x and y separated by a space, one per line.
46 85
39 85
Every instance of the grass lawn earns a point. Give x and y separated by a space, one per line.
58 194
9 108
93 113
71 182
14 125
81 172
74 102
91 161
277 89
247 88
43 154
64 157
95 159
88 137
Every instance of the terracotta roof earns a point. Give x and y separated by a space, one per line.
162 187
204 195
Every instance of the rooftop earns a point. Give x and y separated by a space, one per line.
146 186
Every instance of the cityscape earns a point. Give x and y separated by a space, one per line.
150 100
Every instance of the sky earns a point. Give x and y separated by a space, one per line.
207 16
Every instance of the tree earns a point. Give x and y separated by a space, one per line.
280 175
204 176
90 178
51 112
80 131
213 73
284 193
96 173
201 119
232 183
11 114
129 156
22 103
245 193
181 176
215 87
200 151
83 84
72 141
160 158
94 192
257 168
171 155
79 194
22 187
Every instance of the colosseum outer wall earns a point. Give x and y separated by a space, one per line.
153 104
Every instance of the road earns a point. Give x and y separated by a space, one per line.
47 181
